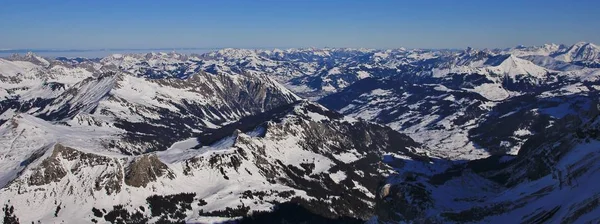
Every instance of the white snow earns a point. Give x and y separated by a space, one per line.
363 189
363 74
338 176
347 157
334 71
492 91
522 132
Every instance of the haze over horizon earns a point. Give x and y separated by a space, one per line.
431 24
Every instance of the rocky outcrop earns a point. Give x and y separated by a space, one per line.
403 201
146 169
51 169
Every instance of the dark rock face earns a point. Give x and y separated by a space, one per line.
111 181
52 170
404 201
146 169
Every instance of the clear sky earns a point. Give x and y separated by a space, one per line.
83 24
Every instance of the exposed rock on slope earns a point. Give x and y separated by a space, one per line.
146 169
300 153
208 138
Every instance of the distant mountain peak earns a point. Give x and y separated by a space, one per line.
580 52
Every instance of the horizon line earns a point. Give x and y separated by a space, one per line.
18 50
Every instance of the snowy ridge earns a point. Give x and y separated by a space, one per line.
126 101
224 135
292 159
307 71
586 52
543 50
457 122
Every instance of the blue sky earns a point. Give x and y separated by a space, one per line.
79 24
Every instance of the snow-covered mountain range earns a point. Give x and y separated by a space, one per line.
345 135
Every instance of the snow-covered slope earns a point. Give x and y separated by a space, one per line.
153 112
543 50
206 138
118 145
550 181
456 122
313 73
300 152
18 77
579 52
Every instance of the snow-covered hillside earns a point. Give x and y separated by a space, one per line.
404 135
300 152
550 181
